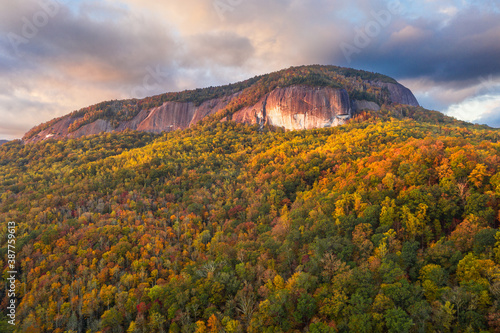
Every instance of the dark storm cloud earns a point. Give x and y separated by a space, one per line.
465 48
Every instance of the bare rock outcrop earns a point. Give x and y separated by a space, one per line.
299 107
399 93
96 127
167 117
174 115
58 130
364 105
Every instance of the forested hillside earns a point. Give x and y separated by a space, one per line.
386 224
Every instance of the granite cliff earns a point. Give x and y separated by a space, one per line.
299 107
399 94
297 98
167 117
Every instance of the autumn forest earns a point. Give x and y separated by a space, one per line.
386 224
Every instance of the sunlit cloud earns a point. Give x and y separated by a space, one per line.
88 51
475 108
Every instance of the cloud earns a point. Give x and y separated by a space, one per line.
491 118
16 110
476 109
76 58
222 48
443 64
110 39
416 48
91 51
440 95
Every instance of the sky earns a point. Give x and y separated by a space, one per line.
57 56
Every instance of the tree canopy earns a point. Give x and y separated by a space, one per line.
386 224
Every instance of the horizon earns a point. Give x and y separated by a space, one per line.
57 57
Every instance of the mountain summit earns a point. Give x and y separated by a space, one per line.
296 98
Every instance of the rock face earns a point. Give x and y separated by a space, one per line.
97 126
167 117
364 105
399 93
299 107
173 115
60 130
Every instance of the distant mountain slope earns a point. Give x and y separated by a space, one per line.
295 98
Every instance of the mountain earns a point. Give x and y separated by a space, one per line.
389 223
296 98
3 141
